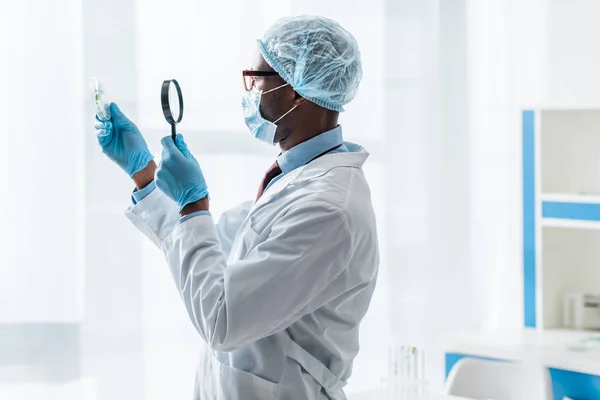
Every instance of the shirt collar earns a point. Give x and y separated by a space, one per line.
305 152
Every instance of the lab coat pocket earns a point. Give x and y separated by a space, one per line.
251 238
241 385
259 224
246 239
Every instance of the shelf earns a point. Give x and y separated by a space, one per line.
570 210
570 223
571 198
560 349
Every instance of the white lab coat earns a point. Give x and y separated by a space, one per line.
278 288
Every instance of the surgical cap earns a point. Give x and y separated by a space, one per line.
317 57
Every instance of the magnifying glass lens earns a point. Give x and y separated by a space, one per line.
174 101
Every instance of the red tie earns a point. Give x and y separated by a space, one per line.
271 173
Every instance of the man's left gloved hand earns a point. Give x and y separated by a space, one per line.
122 142
179 175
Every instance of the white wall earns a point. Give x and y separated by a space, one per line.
41 163
523 54
572 32
111 332
426 167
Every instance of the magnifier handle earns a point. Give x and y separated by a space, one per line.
173 133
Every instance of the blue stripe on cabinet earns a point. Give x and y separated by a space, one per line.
571 384
574 385
579 211
529 217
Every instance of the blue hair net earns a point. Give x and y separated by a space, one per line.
316 56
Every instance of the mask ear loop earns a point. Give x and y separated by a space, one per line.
279 119
274 89
291 109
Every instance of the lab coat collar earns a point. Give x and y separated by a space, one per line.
354 158
303 153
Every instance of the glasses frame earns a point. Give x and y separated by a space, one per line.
251 73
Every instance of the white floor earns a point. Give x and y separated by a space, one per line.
84 389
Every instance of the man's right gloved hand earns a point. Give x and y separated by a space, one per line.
122 142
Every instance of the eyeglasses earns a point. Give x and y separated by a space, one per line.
250 76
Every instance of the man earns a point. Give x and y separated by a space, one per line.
278 288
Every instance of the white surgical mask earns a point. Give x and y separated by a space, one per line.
260 128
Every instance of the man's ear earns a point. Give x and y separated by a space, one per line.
298 99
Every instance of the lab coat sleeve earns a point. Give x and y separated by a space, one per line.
288 275
155 216
139 195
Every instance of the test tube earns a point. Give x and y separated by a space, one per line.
413 359
98 98
404 366
422 364
390 373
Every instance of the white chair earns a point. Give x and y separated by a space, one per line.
482 379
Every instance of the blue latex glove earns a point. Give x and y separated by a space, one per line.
122 142
179 175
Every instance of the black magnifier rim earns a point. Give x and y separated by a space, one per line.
164 99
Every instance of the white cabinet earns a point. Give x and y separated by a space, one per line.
561 210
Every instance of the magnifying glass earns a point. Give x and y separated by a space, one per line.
172 104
